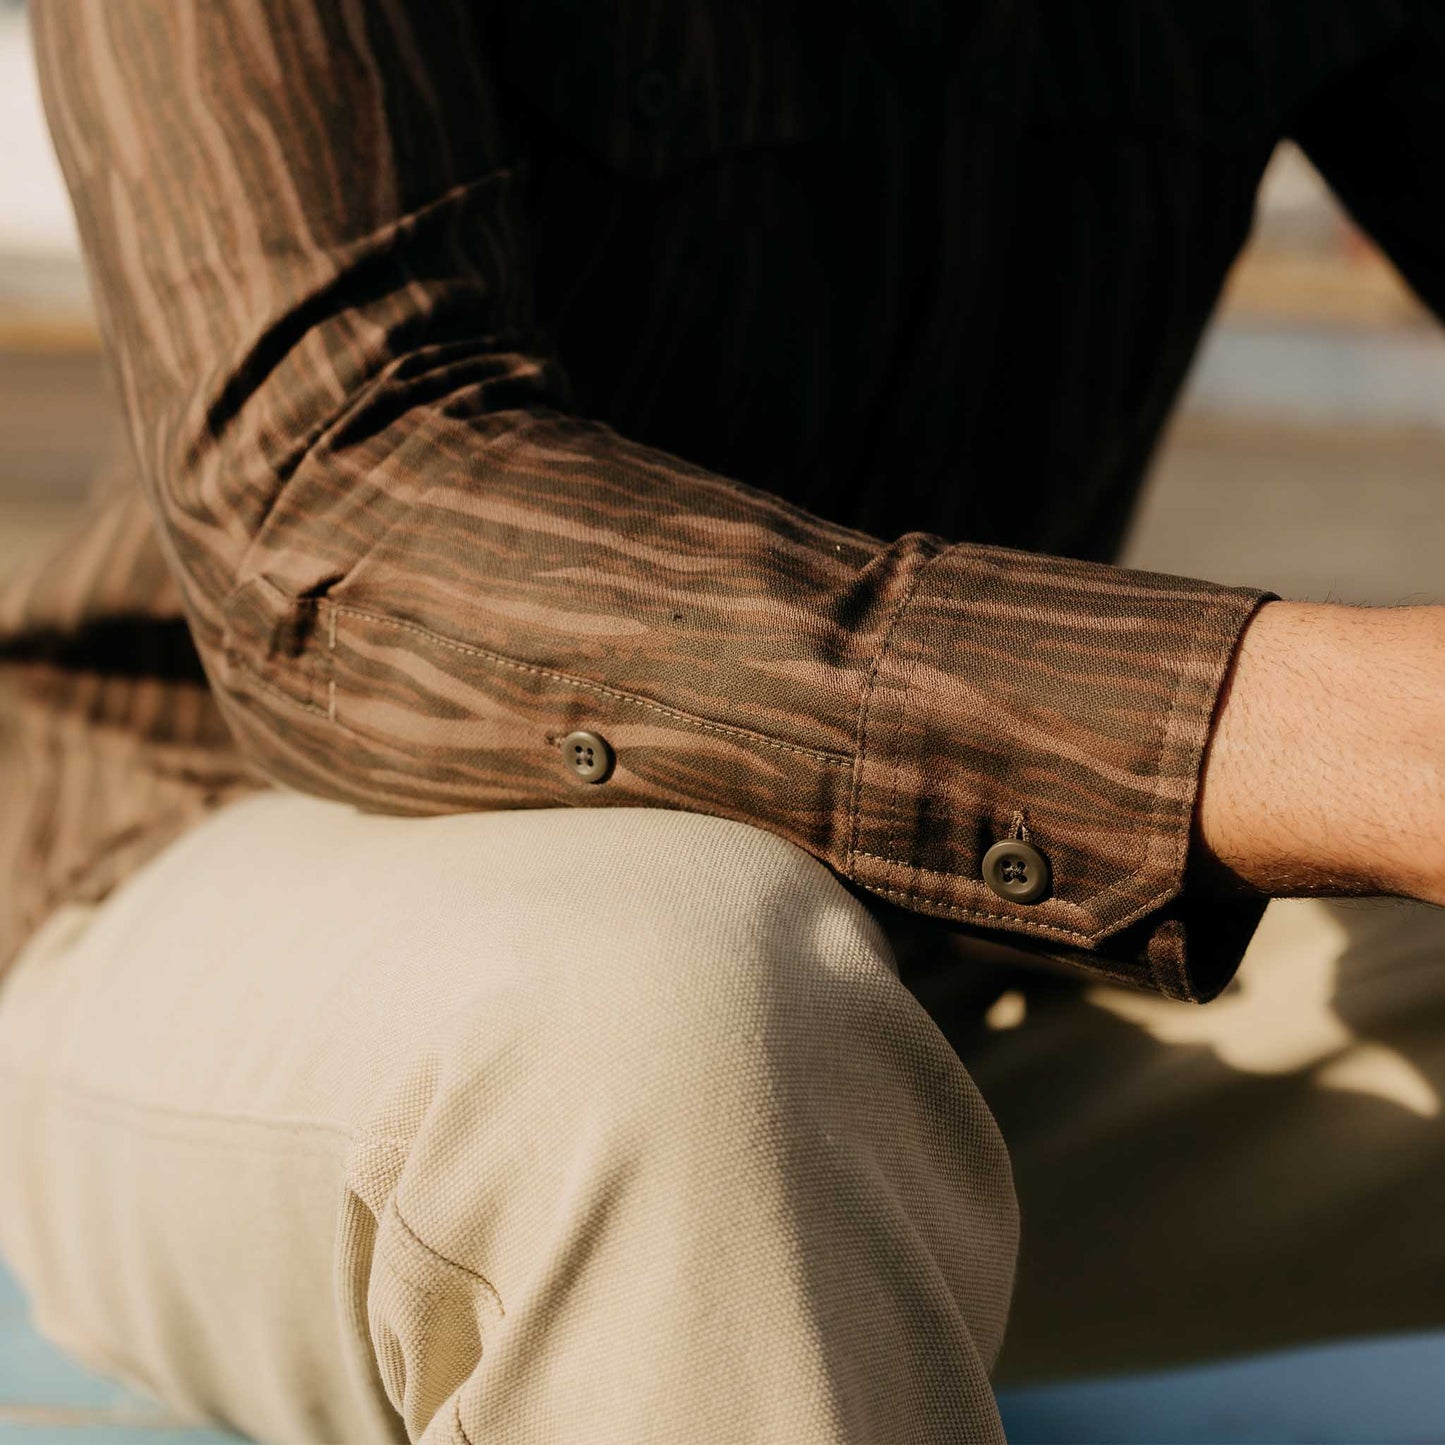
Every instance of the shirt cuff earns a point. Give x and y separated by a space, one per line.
1068 704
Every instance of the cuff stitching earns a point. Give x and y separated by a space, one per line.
866 706
1175 838
963 911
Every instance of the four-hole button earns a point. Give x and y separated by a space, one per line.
589 755
1017 871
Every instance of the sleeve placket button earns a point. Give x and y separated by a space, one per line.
589 755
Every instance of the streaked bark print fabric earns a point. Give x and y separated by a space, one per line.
767 396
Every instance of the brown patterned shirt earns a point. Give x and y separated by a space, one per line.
765 396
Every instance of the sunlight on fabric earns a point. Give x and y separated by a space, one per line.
1280 1016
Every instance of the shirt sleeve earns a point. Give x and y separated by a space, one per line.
411 570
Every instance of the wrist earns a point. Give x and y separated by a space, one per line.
1325 772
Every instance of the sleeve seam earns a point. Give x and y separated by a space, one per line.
866 704
497 659
255 678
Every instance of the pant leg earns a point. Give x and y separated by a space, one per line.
1264 1171
528 1127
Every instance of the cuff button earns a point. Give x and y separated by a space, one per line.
1017 871
589 755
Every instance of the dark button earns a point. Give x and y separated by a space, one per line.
1017 871
588 755
652 95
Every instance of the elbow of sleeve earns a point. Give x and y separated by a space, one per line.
272 643
268 667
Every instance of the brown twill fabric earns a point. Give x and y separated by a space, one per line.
415 311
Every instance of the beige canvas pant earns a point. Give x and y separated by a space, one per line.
619 1125
556 1126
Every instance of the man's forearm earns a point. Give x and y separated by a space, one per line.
1326 770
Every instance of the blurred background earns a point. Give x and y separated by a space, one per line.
1308 457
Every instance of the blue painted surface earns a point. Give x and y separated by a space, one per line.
46 1400
1383 1391
87 1434
1386 1392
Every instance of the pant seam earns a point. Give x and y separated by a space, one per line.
441 1258
457 1418
87 1096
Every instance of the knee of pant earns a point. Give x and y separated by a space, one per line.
693 953
687 985
631 967
734 952
684 1035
